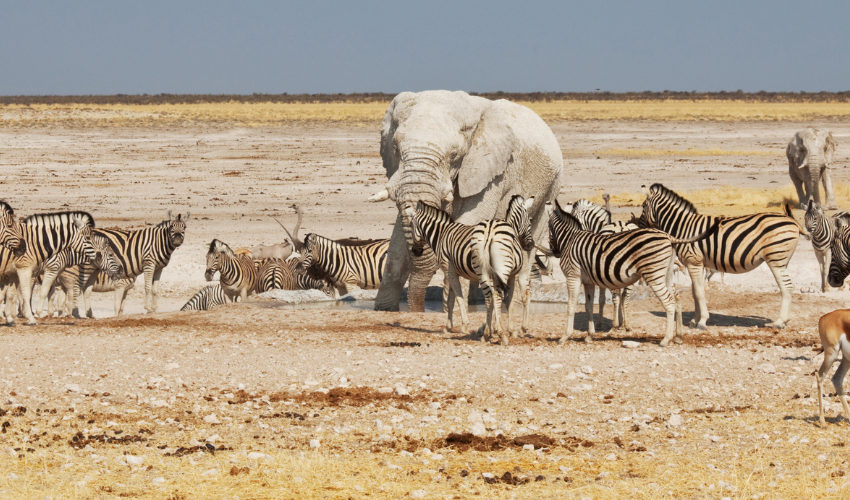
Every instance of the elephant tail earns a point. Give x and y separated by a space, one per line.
802 228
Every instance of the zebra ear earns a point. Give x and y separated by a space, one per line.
170 218
528 203
188 214
78 223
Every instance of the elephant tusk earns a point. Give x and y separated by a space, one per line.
380 196
449 197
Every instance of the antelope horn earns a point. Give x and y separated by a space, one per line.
380 196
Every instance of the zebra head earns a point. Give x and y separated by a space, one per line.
418 246
661 200
10 230
814 216
106 259
517 217
309 248
177 228
81 241
839 268
217 249
592 216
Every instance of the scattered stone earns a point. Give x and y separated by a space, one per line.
385 390
212 439
314 444
256 455
630 344
555 366
212 419
72 388
172 366
675 421
401 391
587 370
475 418
611 457
714 438
529 447
211 472
418 494
767 368
134 460
478 429
158 480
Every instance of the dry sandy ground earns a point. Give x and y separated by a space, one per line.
225 403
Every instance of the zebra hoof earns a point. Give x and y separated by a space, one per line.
702 327
505 340
678 340
588 340
664 343
692 324
32 322
776 324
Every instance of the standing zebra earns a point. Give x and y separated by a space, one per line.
349 263
596 219
37 238
206 298
141 251
614 261
739 245
238 275
504 248
97 280
105 260
273 274
456 252
823 228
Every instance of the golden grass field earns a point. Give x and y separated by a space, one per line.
271 114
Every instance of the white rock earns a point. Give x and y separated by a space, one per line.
478 429
401 391
134 460
611 457
767 368
630 344
587 370
212 419
675 420
555 366
488 475
529 447
714 438
474 417
256 455
571 376
434 405
72 388
240 387
142 423
385 390
212 439
158 480
210 472
418 494
314 443
171 366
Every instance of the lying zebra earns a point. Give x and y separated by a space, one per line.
346 264
238 275
206 298
615 261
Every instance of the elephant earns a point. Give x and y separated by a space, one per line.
468 155
810 155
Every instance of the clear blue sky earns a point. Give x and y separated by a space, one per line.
109 47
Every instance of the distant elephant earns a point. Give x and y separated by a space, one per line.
810 155
468 155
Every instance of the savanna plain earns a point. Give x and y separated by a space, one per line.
258 400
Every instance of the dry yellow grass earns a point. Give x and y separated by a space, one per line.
273 114
685 152
730 200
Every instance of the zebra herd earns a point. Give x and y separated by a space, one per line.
66 249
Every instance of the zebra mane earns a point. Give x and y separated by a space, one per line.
6 208
659 190
220 247
566 218
591 215
58 219
354 242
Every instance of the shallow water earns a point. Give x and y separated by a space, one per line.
431 306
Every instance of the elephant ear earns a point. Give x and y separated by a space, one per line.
830 144
491 149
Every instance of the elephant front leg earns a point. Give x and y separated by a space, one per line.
794 173
827 186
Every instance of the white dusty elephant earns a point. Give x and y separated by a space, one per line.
810 155
468 155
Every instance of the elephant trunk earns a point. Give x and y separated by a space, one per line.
813 160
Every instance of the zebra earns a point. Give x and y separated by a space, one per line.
96 281
456 253
238 275
346 263
542 266
596 219
504 249
141 251
615 261
823 229
739 245
273 274
303 281
206 298
105 260
37 238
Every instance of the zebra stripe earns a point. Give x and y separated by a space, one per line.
39 238
206 298
614 261
238 275
347 264
273 274
75 282
823 229
739 245
144 251
305 282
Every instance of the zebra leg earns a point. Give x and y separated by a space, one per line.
785 287
617 318
573 286
523 285
671 287
8 293
602 297
659 286
47 281
454 280
624 308
155 289
26 286
824 260
697 273
448 303
149 276
589 292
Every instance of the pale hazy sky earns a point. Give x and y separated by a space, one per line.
114 46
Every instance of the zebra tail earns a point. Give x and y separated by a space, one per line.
698 237
484 247
802 228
